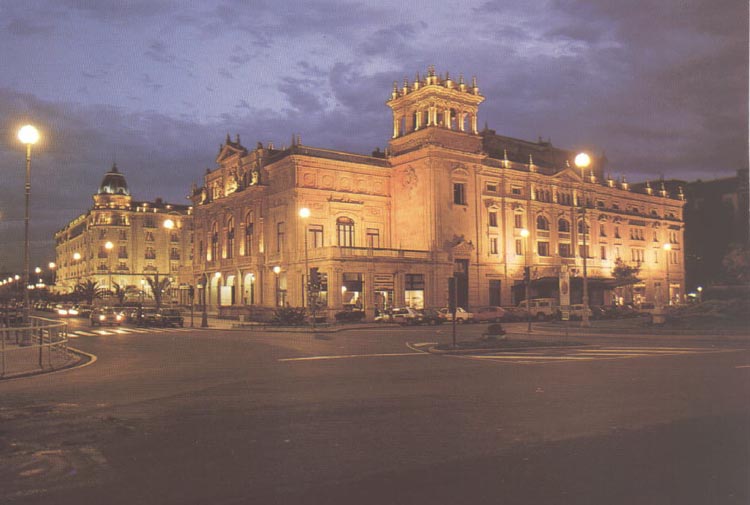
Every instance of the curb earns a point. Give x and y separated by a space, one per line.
85 359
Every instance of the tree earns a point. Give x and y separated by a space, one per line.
736 265
89 290
626 275
121 292
158 287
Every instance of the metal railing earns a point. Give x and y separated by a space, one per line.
41 344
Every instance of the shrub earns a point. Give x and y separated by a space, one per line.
289 316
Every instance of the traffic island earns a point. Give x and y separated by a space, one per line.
490 344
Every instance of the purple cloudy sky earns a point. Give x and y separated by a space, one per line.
660 85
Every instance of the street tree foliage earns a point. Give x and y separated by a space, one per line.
121 292
89 290
736 265
625 272
626 275
158 288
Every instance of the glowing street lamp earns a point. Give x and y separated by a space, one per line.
582 161
168 224
27 135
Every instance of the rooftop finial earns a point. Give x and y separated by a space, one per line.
228 139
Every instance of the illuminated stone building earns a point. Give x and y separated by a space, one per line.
122 241
445 199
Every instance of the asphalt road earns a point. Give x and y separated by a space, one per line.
196 417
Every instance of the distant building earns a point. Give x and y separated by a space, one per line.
122 241
716 219
444 200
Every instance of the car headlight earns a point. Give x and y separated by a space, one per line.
73 312
119 317
62 312
102 317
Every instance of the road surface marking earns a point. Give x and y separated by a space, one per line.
347 356
84 333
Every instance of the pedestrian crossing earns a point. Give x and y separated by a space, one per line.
108 331
558 355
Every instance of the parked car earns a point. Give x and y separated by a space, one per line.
491 313
384 316
84 310
431 316
540 308
646 307
105 317
576 312
349 316
146 317
169 317
462 316
406 315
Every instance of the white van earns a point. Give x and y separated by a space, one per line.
540 308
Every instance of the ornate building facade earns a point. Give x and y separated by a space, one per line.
444 200
122 241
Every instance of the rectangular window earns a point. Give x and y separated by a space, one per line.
459 193
495 293
373 238
493 245
174 253
565 250
583 251
515 190
518 221
280 229
603 252
519 247
491 187
123 235
150 253
602 230
149 236
542 248
315 232
148 222
493 219
123 252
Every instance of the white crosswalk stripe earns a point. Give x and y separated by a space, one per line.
559 355
123 331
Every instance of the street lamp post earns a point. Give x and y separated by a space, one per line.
27 135
108 246
526 276
582 161
304 213
204 314
668 247
277 271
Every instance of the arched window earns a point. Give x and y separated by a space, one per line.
580 228
214 240
542 223
345 232
249 224
563 225
230 237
